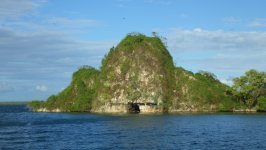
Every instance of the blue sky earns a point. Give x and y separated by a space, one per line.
42 42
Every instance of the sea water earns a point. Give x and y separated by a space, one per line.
23 129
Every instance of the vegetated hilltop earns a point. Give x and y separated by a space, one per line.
138 75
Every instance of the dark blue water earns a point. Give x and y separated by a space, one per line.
22 129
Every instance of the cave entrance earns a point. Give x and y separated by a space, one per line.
133 107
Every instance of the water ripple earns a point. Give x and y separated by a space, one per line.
21 129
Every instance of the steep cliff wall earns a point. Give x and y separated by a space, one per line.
139 70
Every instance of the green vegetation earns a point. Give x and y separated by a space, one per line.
262 103
77 96
250 90
140 69
201 91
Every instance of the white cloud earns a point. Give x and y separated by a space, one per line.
258 23
54 24
159 2
184 15
221 52
231 20
197 30
203 40
4 87
123 3
41 88
15 8
32 55
43 49
227 82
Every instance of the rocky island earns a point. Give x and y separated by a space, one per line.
138 75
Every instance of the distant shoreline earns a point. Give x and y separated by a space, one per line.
236 111
14 103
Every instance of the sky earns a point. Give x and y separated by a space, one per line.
42 42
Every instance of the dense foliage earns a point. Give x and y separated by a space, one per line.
250 89
202 91
77 96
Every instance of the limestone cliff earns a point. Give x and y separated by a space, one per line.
139 70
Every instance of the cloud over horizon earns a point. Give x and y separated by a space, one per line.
32 58
220 52
41 88
43 42
258 23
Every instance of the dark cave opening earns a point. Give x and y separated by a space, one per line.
133 107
